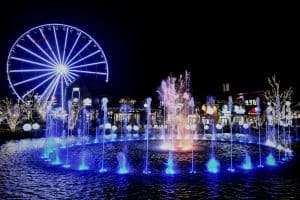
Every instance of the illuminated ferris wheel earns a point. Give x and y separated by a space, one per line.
48 58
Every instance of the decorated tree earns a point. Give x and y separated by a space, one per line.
279 99
11 113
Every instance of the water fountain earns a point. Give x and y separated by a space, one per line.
278 120
231 169
179 131
192 127
170 165
123 165
104 109
148 113
84 125
67 164
175 96
122 156
258 125
210 110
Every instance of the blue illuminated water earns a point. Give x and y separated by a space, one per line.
247 163
170 169
270 160
24 175
213 165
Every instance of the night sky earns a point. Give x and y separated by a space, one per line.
145 43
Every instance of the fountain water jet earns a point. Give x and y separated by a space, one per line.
270 160
123 166
170 165
175 96
247 164
231 169
148 112
192 107
258 125
104 109
213 165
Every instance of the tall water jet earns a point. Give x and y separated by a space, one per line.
213 165
67 164
96 140
278 119
170 169
192 108
258 125
64 139
57 117
123 166
211 110
49 139
175 96
83 161
270 160
247 164
104 109
148 113
56 158
231 169
289 123
125 108
85 124
163 126
270 126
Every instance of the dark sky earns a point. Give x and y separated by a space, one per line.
145 43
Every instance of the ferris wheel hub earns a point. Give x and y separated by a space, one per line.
62 69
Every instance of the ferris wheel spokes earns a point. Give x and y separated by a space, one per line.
47 91
33 78
86 57
41 49
71 74
87 72
89 64
31 62
67 81
83 48
30 70
65 45
75 43
34 54
57 47
49 46
39 85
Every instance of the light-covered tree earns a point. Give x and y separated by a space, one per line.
278 98
11 112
